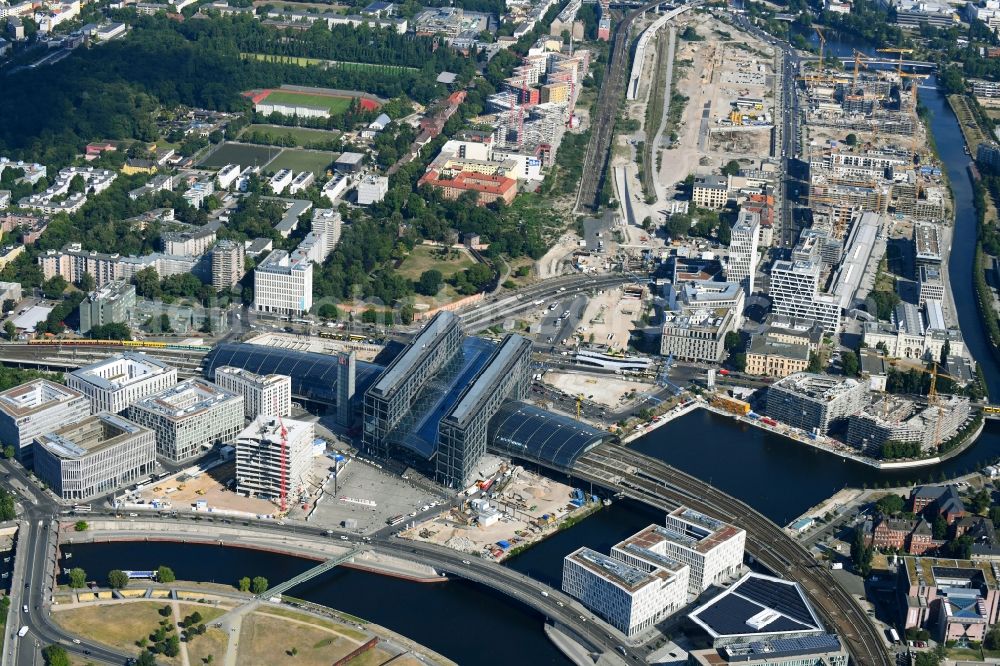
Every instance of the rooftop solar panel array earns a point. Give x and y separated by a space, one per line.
737 611
524 431
782 597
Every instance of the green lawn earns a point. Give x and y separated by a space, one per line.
341 64
301 134
298 159
333 104
425 257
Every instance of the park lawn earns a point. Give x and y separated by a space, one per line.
338 64
353 634
298 159
208 613
267 640
964 654
335 105
118 626
213 642
300 134
427 257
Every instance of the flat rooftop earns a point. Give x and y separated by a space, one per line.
186 399
261 380
34 397
701 533
614 571
818 387
643 545
941 572
121 370
758 605
927 241
91 435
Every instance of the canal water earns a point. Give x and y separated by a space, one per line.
779 477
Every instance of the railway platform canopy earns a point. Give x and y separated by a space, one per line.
521 430
314 376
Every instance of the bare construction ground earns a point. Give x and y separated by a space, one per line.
182 492
523 502
602 389
713 74
609 319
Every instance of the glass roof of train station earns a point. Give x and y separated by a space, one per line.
528 432
314 376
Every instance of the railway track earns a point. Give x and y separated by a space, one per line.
656 483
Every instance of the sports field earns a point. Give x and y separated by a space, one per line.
303 135
240 153
331 103
298 159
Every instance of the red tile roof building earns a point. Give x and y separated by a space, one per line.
487 188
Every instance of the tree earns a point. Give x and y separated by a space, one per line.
927 659
147 283
9 452
992 640
328 311
56 655
731 168
981 501
172 646
861 554
851 364
117 579
815 363
77 577
81 526
890 504
146 659
112 331
851 139
732 340
995 515
945 352
54 287
939 527
165 574
8 508
244 584
430 282
259 585
8 305
9 329
87 282
77 184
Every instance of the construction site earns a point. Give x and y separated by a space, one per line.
516 509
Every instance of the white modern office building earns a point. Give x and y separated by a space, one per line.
35 408
189 418
630 598
795 292
259 457
283 284
119 381
742 264
263 395
713 549
94 457
816 403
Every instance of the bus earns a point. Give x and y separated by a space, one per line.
395 520
81 508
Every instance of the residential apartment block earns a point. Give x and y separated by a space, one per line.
120 380
816 403
228 264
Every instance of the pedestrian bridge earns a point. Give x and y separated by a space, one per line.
309 574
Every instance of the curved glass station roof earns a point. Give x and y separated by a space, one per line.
525 431
314 376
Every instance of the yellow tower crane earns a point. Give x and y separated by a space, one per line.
899 65
822 43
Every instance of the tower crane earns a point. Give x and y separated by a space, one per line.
284 462
822 43
899 65
933 399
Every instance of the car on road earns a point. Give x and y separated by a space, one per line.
76 641
466 562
